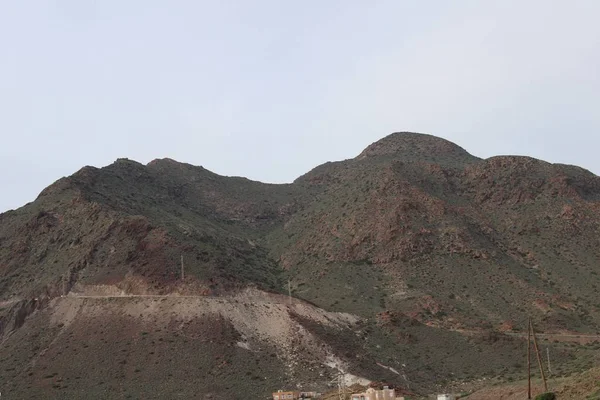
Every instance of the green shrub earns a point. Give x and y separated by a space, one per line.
546 396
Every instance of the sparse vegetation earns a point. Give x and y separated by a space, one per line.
437 251
546 396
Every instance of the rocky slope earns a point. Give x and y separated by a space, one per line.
406 263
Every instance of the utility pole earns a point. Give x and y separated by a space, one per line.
548 356
340 381
342 386
529 358
539 358
182 271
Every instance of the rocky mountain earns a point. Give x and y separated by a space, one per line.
414 263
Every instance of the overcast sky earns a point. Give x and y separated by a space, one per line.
270 89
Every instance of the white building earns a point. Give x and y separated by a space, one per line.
445 397
373 394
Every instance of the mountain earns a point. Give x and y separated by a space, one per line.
414 263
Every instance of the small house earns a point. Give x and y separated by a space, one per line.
281 395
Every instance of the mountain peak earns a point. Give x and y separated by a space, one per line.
412 146
165 160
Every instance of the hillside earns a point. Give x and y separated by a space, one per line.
415 263
578 386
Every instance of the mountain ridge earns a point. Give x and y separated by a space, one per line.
429 249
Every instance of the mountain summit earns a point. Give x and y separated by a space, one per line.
416 146
404 264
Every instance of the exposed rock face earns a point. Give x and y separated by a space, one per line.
420 252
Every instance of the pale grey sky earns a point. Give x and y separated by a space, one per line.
270 89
